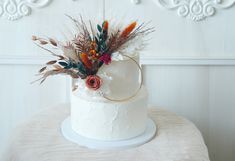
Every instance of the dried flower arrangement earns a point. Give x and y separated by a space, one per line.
88 51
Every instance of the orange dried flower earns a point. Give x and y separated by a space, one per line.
128 29
93 52
86 60
96 56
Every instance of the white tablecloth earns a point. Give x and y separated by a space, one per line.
40 139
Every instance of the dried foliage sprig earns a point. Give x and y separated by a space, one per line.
89 49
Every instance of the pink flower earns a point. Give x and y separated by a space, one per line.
106 59
93 82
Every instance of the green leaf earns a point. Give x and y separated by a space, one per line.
74 65
81 68
99 28
105 37
96 40
101 36
105 32
100 64
98 47
63 64
69 66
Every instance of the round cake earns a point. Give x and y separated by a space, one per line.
109 101
109 120
101 119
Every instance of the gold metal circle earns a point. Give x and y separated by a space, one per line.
139 88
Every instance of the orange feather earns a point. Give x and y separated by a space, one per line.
106 25
86 60
128 29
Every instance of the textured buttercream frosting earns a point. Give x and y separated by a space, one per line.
108 120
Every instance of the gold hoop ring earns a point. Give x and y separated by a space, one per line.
139 88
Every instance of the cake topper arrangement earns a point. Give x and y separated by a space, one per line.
90 49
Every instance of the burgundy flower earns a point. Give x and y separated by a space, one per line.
106 59
93 82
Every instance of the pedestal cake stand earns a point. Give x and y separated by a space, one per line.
72 136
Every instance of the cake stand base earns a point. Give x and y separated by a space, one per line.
72 136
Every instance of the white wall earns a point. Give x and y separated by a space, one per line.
189 65
20 100
203 94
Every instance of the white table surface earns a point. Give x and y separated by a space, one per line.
40 139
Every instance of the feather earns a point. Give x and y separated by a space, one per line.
34 38
51 62
53 42
43 69
42 80
42 42
105 25
54 54
56 66
128 29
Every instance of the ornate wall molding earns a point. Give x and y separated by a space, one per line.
16 9
195 9
135 1
132 1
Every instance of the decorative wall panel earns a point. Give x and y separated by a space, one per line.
196 9
16 9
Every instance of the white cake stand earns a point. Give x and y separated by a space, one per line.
72 136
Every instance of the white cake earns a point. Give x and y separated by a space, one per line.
98 118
